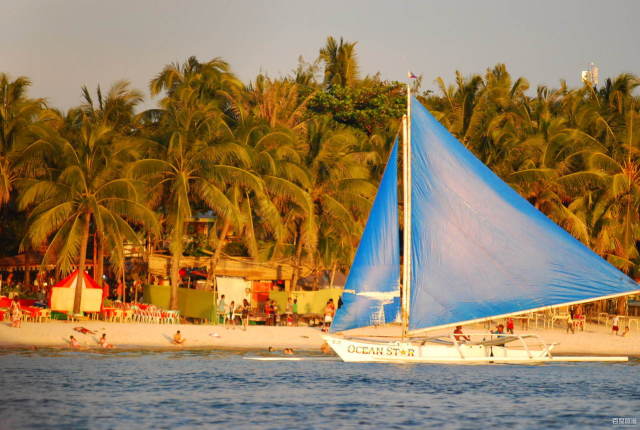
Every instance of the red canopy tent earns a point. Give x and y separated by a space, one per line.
63 294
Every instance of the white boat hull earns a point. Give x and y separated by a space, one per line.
372 351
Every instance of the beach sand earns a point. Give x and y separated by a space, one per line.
595 340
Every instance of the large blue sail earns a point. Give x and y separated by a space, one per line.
372 292
479 249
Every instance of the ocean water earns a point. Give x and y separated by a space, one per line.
60 389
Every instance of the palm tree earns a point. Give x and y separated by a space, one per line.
83 188
193 162
212 81
341 64
117 111
17 115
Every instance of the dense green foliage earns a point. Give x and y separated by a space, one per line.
288 167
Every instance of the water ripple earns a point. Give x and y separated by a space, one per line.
213 389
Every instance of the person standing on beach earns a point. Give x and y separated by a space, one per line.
295 312
222 309
614 325
16 313
267 312
245 314
329 310
231 316
274 312
570 324
289 312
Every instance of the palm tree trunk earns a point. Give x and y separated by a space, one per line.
99 263
333 274
83 258
222 240
296 263
175 277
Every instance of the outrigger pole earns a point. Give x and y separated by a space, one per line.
406 182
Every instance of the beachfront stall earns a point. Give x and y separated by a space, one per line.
63 294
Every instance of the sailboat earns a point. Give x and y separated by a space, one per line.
473 251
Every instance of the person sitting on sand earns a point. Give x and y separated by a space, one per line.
73 342
178 339
625 332
459 336
103 342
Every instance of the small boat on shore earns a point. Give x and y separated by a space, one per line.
473 250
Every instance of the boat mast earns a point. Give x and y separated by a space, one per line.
406 181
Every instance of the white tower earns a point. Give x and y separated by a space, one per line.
591 76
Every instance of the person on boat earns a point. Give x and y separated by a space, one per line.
614 325
510 325
499 329
16 313
178 339
103 342
329 310
459 336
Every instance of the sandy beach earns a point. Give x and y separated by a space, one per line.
595 340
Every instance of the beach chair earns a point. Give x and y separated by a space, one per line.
558 316
118 315
155 316
173 317
127 315
44 315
